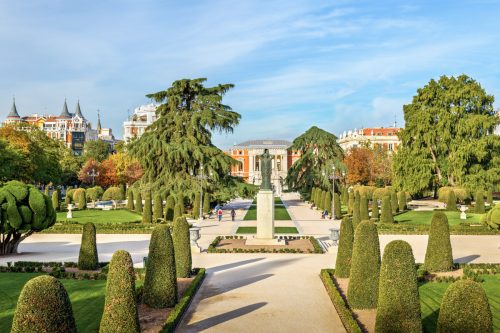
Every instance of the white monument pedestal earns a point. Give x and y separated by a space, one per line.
265 220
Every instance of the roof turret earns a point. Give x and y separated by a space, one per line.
65 113
13 111
78 111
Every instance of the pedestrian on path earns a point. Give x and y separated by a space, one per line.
233 214
219 214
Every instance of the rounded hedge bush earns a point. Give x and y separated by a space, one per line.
157 207
394 202
55 201
120 306
402 201
94 193
113 193
196 206
160 284
363 208
80 198
479 198
182 247
375 213
356 218
147 214
398 307
451 202
43 306
338 206
350 203
492 218
344 254
438 256
88 259
169 208
130 199
379 193
69 196
138 202
362 292
386 210
465 309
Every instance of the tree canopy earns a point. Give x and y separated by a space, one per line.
175 147
98 150
448 137
319 153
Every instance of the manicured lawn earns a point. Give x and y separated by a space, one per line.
424 217
98 216
87 299
280 213
431 295
277 201
278 230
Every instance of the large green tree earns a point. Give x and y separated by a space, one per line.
178 144
319 153
448 138
98 150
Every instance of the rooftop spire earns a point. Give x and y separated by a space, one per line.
64 112
13 111
98 122
78 112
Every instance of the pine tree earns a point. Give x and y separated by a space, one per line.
157 207
147 214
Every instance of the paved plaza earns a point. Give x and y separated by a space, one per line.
254 292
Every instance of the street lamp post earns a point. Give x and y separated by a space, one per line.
93 174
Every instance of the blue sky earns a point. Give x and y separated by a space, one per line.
335 64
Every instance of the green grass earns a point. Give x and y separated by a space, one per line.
424 217
98 216
432 293
278 230
87 299
280 212
277 201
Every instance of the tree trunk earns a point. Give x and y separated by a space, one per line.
10 242
434 159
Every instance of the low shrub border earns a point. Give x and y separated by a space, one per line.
345 313
212 248
180 308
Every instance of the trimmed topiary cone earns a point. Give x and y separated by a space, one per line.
375 214
402 201
338 206
169 208
130 199
178 210
350 203
82 199
438 256
465 309
451 202
160 284
489 197
328 202
344 254
88 259
356 210
120 307
138 202
479 198
394 202
157 207
206 203
362 292
182 248
196 206
386 210
363 208
398 307
43 306
147 214
55 201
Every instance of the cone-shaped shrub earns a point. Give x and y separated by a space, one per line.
322 199
363 208
178 210
375 214
344 254
328 202
311 195
169 208
182 247
196 206
438 256
138 202
464 309
350 203
362 292
130 200
47 190
160 284
402 200
338 206
120 307
489 197
80 198
479 202
344 196
206 203
356 218
394 202
157 207
398 307
43 306
386 210
122 191
55 201
88 259
451 202
147 214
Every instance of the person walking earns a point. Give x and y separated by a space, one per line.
233 214
219 214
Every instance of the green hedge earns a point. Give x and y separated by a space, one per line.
451 202
88 259
196 206
398 307
182 247
394 202
138 202
464 309
344 254
345 314
438 256
365 266
386 210
43 306
363 208
177 312
479 198
169 208
147 214
356 217
402 201
338 206
375 213
130 199
157 207
113 193
350 203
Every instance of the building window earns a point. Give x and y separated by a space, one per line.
278 164
390 146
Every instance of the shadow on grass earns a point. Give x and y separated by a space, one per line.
429 323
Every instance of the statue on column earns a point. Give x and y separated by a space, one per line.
266 169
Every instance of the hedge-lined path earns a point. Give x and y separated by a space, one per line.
261 293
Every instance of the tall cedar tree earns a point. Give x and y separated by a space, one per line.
320 151
179 142
448 137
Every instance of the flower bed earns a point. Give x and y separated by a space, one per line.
236 244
